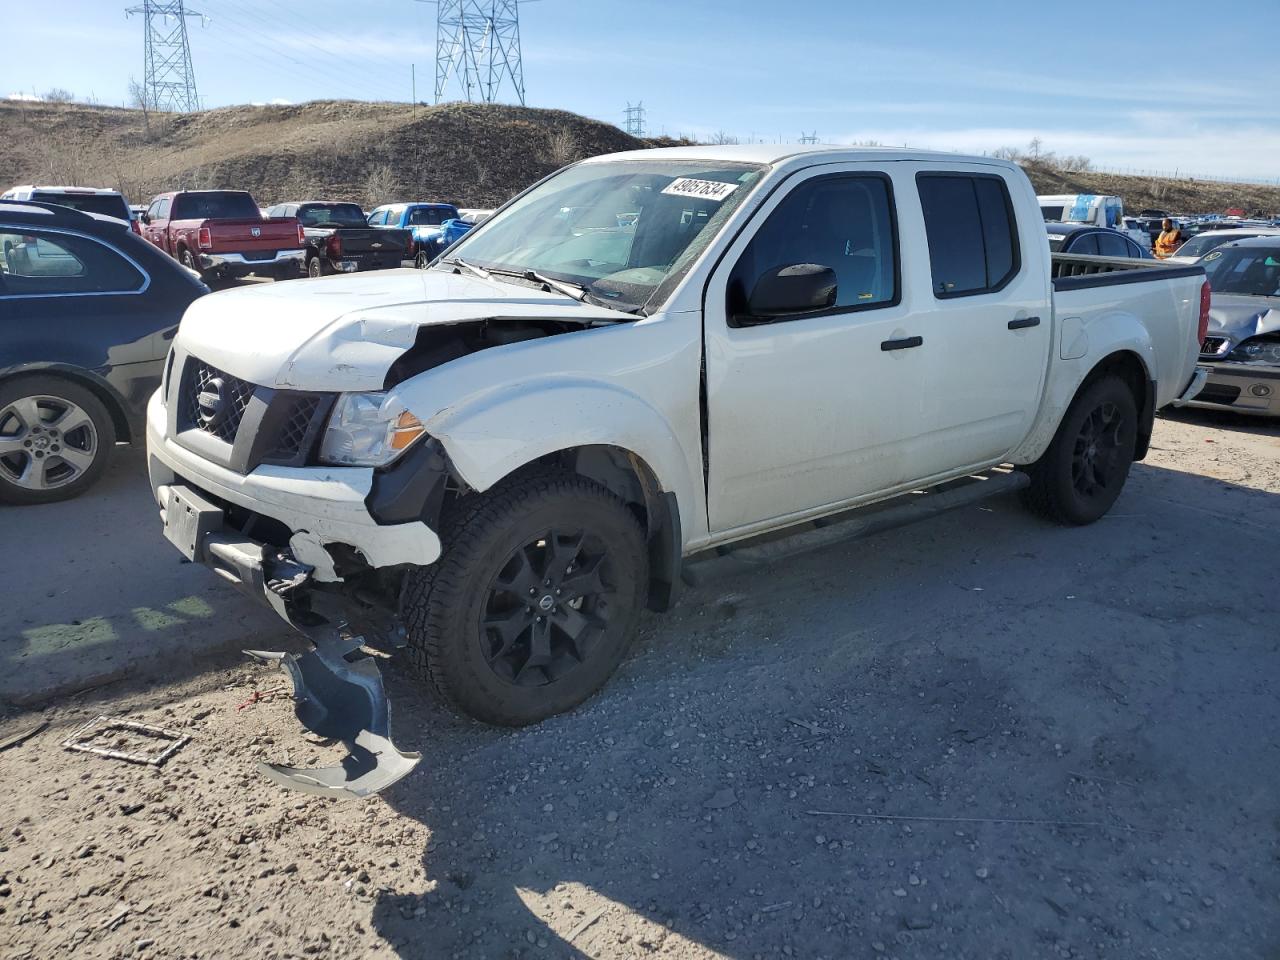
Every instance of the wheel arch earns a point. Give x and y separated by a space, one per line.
1131 368
633 481
110 397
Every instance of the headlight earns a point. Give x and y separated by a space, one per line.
1257 350
367 430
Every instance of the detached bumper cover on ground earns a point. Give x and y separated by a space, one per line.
338 689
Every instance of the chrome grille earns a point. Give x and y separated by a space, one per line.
213 401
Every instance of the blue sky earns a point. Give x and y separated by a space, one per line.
1174 85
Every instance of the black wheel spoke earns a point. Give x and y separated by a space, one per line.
560 554
508 627
518 576
585 580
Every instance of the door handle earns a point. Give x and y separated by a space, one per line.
1024 323
906 343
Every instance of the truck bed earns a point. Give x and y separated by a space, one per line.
1078 271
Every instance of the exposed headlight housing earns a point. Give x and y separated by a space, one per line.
368 430
1264 349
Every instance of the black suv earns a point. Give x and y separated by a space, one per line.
87 311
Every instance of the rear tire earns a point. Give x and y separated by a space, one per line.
1085 468
421 260
188 260
316 267
533 602
55 439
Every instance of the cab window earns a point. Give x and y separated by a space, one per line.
972 234
842 222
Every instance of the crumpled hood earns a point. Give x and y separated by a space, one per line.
1240 317
343 332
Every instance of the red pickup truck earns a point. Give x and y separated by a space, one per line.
222 233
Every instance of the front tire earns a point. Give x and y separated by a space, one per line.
1085 468
55 439
533 602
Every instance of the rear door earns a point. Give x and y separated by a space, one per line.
823 407
985 300
157 231
83 302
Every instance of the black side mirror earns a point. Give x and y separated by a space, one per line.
798 288
145 218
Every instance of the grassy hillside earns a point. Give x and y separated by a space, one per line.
367 152
472 154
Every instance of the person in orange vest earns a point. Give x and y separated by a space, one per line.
1170 239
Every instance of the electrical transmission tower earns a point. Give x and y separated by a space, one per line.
478 43
809 137
170 82
635 119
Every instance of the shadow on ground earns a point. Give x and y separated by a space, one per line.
94 592
1086 729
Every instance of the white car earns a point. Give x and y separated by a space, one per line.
646 361
1203 243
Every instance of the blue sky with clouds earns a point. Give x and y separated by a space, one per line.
1174 85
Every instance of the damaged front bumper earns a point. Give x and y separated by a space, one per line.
338 690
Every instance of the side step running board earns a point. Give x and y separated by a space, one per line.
859 522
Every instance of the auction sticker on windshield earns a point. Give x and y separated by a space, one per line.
703 189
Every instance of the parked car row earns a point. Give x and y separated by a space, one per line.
225 234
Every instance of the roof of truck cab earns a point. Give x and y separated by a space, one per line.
775 153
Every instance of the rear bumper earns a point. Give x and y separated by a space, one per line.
379 261
1242 388
238 263
320 506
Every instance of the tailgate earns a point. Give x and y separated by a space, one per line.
373 240
278 233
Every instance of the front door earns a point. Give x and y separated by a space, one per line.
819 407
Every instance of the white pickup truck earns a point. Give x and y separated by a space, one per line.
644 361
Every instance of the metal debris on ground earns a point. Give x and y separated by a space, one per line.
265 696
127 740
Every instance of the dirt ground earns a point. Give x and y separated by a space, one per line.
982 736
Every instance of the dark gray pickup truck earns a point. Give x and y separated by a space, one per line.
340 241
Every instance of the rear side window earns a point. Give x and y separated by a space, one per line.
1114 245
973 241
1086 244
36 262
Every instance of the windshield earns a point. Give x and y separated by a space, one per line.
430 216
331 215
1053 214
617 228
107 204
216 205
1249 271
1199 246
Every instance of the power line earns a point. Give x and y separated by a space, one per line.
169 82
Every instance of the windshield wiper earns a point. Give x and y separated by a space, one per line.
577 291
480 272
